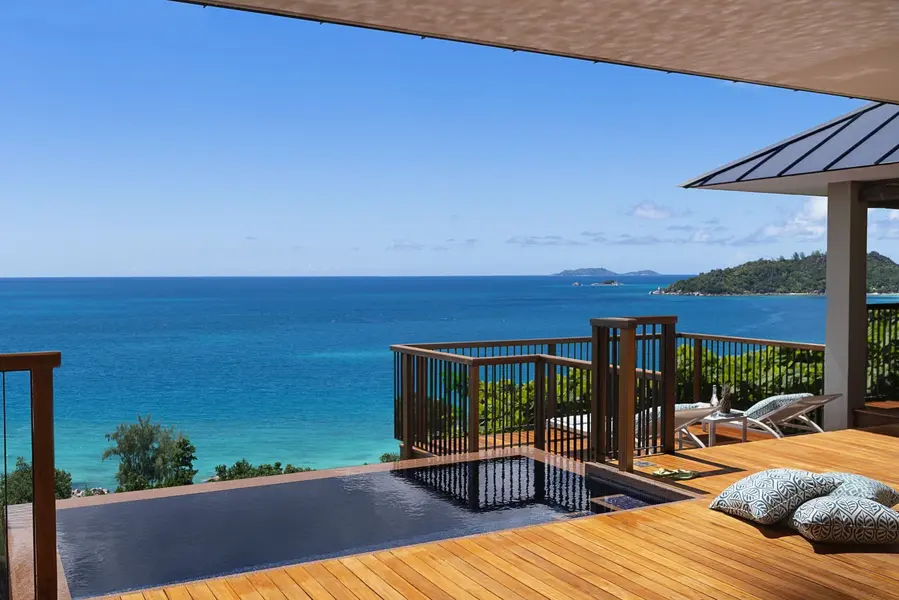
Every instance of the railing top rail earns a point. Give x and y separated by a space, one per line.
490 343
412 350
883 305
632 322
753 341
26 361
567 362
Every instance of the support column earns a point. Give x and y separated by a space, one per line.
845 355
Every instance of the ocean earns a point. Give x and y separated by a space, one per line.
298 369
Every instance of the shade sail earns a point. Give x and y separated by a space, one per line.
862 145
846 47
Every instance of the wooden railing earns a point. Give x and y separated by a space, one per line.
465 397
40 367
755 368
883 351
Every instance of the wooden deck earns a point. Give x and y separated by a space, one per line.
674 551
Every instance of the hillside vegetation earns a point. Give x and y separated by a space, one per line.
801 274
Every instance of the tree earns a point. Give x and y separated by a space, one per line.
150 456
243 469
390 457
182 463
19 485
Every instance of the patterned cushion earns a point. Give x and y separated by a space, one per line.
846 520
769 496
859 486
692 406
769 405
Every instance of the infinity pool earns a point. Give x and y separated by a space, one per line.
120 546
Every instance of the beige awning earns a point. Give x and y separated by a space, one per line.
845 47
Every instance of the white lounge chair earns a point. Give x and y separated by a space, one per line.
685 415
790 410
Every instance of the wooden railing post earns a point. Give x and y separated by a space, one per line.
669 386
44 471
627 396
474 408
599 373
552 400
407 391
697 370
540 367
423 435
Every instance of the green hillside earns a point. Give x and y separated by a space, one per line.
801 274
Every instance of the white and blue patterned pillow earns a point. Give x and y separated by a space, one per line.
859 486
846 520
769 405
770 496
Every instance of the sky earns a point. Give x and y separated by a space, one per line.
153 138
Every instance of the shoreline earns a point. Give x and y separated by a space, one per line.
761 294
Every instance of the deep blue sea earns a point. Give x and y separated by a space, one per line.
298 369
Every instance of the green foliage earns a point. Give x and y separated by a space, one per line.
243 469
390 457
753 375
19 483
801 274
150 456
883 352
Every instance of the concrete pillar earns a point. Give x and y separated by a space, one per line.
846 333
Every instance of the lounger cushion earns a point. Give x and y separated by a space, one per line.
769 405
859 486
846 520
770 496
692 406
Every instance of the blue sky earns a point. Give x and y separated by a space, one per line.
154 138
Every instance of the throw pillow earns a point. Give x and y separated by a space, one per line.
846 520
770 496
859 486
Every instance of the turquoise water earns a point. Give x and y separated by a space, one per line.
297 369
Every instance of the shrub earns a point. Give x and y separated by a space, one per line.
243 469
150 456
19 485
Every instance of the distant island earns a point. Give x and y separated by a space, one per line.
801 274
601 272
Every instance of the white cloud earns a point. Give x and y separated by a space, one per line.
807 224
542 240
652 211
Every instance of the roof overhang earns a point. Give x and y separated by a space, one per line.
862 145
843 47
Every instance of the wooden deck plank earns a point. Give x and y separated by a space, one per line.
243 588
199 591
177 592
329 582
379 586
265 586
421 583
288 587
221 590
678 551
349 580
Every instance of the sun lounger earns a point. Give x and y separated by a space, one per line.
793 414
683 418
